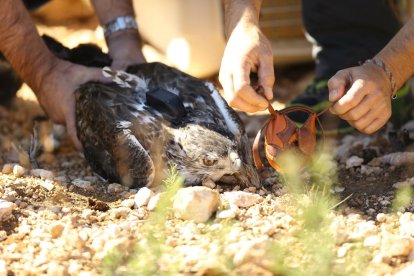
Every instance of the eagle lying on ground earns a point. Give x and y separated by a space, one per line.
153 116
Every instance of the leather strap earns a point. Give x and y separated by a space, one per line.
281 133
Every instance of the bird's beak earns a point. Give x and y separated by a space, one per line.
245 173
236 161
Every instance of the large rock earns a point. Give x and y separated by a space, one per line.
393 245
196 203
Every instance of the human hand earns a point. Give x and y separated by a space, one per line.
361 96
125 49
247 50
56 93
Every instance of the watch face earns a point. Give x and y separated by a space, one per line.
118 24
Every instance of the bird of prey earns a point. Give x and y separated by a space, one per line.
154 116
141 122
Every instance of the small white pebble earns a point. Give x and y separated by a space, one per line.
18 171
115 188
42 173
8 168
3 268
47 185
143 197
83 184
128 203
6 208
371 241
338 189
381 217
56 230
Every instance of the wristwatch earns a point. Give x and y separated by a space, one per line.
118 24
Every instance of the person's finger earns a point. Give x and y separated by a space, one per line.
243 89
71 128
337 85
378 112
360 110
266 75
98 75
241 76
233 99
85 74
375 125
226 81
351 98
240 104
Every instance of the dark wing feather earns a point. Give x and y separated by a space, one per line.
197 97
105 120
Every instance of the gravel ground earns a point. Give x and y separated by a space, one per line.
60 218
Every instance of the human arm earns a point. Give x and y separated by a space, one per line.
124 45
247 51
52 80
362 94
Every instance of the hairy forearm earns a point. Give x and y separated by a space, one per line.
22 46
240 11
399 54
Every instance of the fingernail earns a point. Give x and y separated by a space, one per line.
269 94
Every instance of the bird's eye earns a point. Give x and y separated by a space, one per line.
209 162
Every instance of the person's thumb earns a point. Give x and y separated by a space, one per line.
337 85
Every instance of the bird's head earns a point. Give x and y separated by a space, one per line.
202 152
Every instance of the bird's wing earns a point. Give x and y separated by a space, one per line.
105 115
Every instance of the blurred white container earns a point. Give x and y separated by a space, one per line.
188 32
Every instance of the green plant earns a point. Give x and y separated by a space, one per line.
313 204
147 255
403 197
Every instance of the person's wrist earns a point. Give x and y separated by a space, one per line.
128 35
43 72
380 64
126 46
239 13
244 29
